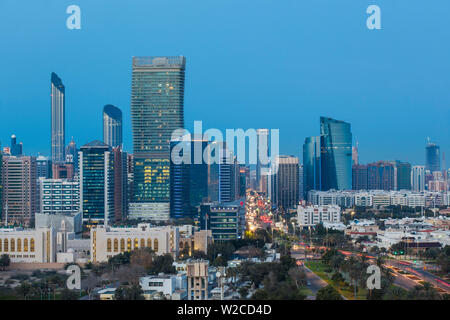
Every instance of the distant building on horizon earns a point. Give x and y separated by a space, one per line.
380 176
359 177
16 148
58 120
432 157
112 126
418 178
311 165
283 184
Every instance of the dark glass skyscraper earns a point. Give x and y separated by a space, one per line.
311 165
112 126
336 154
403 175
432 157
16 148
157 99
359 177
380 176
58 113
97 183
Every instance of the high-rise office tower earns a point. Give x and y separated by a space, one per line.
403 175
432 157
418 178
227 176
284 182
96 183
157 99
311 165
112 126
1 184
120 184
380 176
16 148
336 154
244 173
359 177
262 151
58 112
19 188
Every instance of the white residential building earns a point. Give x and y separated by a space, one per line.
312 215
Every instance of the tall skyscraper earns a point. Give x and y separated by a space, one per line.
58 113
112 126
380 176
311 165
418 178
284 182
96 183
120 183
188 179
19 188
336 154
432 157
157 99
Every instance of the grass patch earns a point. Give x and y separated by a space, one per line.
345 289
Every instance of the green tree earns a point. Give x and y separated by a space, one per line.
328 293
5 261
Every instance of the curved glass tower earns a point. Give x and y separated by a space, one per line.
58 93
336 154
112 126
432 157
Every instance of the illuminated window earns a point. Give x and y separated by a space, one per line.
136 243
149 243
155 245
108 245
129 244
142 243
122 245
13 245
25 245
116 245
6 245
32 245
19 245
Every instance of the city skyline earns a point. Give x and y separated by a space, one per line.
318 84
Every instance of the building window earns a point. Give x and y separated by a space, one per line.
108 245
116 245
5 245
122 245
32 245
149 243
13 245
19 245
136 243
25 245
129 244
142 243
155 245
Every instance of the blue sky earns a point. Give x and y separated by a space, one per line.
250 64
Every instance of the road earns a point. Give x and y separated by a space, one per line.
418 272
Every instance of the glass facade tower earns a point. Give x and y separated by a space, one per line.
432 157
311 164
336 154
112 126
157 99
58 112
96 183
